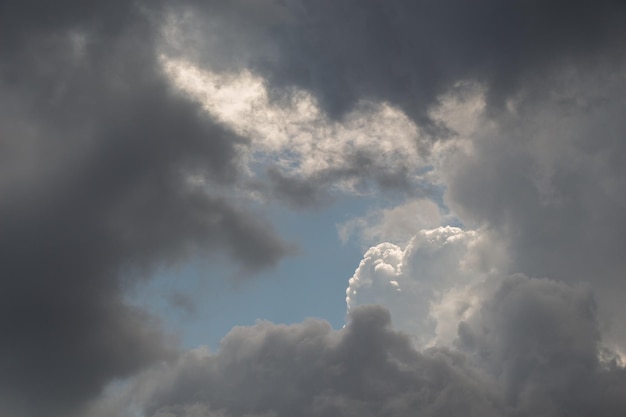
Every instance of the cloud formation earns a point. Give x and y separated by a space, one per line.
404 52
546 176
312 370
107 171
530 349
425 283
302 152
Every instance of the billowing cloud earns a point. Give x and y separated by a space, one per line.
411 280
531 348
541 341
547 177
311 370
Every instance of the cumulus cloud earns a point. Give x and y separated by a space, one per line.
309 369
410 280
531 348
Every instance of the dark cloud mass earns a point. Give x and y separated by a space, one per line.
410 52
97 150
532 351
540 340
309 369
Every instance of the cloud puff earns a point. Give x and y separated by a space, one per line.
410 280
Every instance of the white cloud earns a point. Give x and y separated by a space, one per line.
418 282
293 133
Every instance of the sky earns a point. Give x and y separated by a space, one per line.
322 208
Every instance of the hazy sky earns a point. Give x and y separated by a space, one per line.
324 208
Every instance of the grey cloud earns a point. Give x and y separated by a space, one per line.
532 349
540 340
95 152
409 53
549 178
309 369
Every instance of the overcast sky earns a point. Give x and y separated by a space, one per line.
324 208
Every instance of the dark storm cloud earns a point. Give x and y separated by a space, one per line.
410 52
95 155
532 349
308 369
